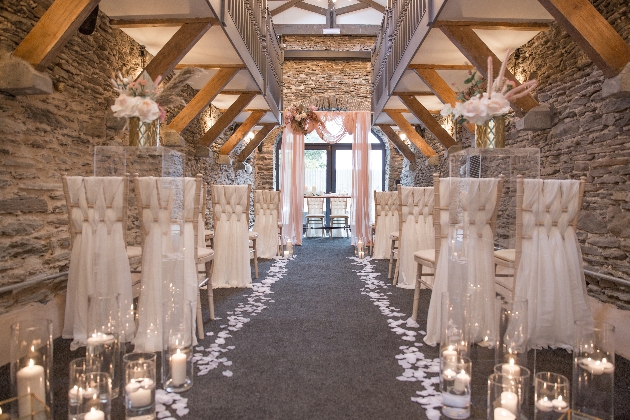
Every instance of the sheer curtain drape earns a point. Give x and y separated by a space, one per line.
334 127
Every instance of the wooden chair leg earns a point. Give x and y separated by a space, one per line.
255 259
209 269
397 269
199 316
391 259
416 294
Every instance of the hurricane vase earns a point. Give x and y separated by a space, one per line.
143 134
491 134
178 332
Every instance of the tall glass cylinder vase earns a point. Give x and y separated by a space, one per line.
31 359
77 385
516 379
177 369
511 345
143 134
593 369
505 396
551 396
454 336
455 386
103 337
491 134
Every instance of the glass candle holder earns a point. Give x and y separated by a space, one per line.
31 357
139 385
96 401
79 369
454 324
511 343
177 368
593 369
551 396
455 386
515 379
102 347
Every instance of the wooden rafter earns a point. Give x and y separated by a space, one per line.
397 141
513 26
226 119
202 99
284 7
441 89
441 66
176 48
419 93
158 23
351 8
241 131
374 5
406 111
211 66
238 92
592 32
477 52
312 8
255 142
428 120
411 133
58 24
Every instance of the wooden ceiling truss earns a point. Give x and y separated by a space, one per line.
411 133
241 131
428 120
256 141
397 142
226 119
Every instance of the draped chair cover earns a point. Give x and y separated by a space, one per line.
266 206
478 198
192 192
550 273
99 263
161 267
338 207
231 236
386 217
416 230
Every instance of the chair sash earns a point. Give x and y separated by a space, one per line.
550 273
386 209
416 232
266 205
231 236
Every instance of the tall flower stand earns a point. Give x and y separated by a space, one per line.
143 134
491 134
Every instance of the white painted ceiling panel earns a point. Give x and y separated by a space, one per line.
438 49
299 16
500 40
155 8
224 102
498 10
214 48
361 17
411 82
152 38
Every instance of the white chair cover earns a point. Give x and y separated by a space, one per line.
231 236
315 206
386 217
159 263
338 207
478 200
550 273
417 231
99 263
266 205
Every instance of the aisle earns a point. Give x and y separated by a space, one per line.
319 350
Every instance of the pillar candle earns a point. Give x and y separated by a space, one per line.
30 380
544 404
290 247
94 414
178 368
503 414
139 392
461 381
450 356
509 401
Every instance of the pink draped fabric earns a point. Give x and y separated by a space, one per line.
356 123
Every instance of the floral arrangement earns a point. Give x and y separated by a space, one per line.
476 106
300 117
143 99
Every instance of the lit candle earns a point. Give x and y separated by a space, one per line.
511 369
450 356
361 254
607 366
559 404
360 245
461 381
544 404
30 380
94 414
289 247
509 401
100 338
449 374
503 414
286 254
595 367
139 392
178 368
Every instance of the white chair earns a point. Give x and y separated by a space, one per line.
548 260
385 222
100 259
416 231
266 210
339 217
315 218
230 211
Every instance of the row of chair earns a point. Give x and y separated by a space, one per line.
316 217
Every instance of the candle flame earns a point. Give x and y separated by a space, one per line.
560 398
511 362
93 409
450 348
31 363
178 351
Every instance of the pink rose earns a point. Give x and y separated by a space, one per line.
497 104
125 106
475 111
147 110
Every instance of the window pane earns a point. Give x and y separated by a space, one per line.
343 164
376 170
315 169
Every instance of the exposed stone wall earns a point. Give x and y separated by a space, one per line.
329 43
265 161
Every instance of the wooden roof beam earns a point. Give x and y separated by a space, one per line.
591 32
428 120
477 52
411 133
256 141
397 141
351 8
312 8
419 93
284 7
441 89
176 48
226 119
211 66
202 99
158 23
58 24
241 132
514 26
441 66
374 5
